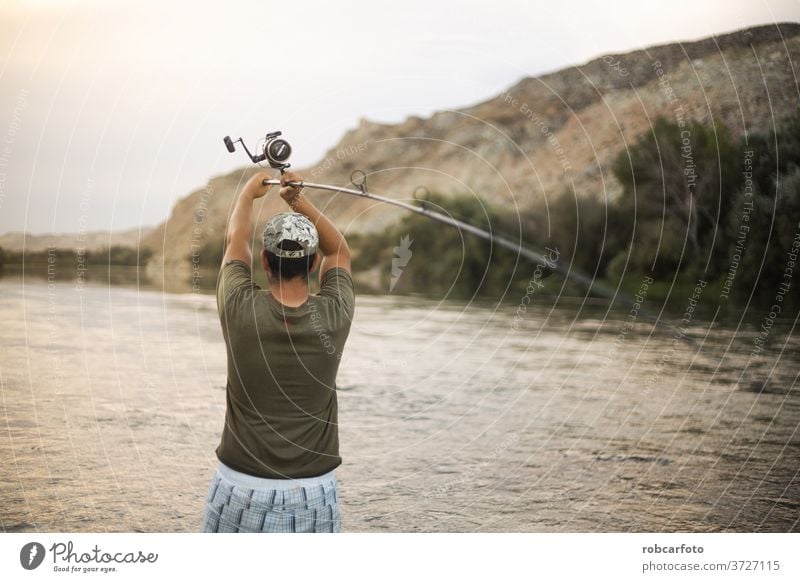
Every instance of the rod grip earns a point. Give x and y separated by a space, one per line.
274 182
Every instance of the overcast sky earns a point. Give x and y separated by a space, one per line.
110 110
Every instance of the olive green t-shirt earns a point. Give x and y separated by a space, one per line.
281 419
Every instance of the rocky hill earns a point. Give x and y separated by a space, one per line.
540 137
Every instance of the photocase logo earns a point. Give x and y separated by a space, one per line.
402 254
31 555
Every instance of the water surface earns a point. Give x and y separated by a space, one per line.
112 402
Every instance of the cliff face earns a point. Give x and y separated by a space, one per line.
540 137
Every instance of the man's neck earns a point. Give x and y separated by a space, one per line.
291 293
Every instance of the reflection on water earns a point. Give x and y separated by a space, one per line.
200 280
113 402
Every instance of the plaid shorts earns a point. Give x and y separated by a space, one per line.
237 502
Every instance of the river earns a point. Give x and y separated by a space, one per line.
452 416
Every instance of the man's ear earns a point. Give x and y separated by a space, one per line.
315 264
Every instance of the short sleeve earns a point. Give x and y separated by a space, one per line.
337 286
234 279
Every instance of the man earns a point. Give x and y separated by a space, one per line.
280 443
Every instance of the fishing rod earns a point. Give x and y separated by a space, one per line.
276 152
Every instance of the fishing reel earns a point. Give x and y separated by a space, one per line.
275 151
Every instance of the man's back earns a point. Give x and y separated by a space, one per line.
282 416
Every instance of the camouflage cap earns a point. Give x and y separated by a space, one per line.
294 227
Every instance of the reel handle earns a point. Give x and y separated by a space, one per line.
229 143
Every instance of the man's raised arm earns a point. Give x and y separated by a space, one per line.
331 242
240 226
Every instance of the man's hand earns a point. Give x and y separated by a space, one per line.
255 187
290 193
